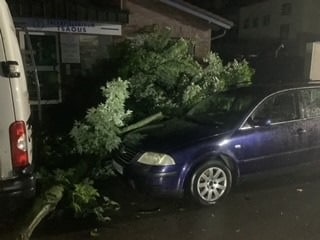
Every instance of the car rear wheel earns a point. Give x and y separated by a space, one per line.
210 182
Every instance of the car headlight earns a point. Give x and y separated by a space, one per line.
156 159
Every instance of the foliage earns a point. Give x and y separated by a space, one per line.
53 149
164 76
83 196
94 137
80 194
86 201
102 170
238 73
98 133
158 69
215 76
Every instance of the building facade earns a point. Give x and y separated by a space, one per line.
291 22
277 34
64 39
184 20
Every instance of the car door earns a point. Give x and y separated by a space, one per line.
310 104
272 135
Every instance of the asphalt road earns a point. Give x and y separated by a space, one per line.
277 206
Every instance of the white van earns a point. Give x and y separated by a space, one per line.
16 178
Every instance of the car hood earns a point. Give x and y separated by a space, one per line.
172 134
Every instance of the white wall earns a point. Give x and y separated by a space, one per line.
304 19
311 17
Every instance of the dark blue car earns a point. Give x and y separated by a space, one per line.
224 137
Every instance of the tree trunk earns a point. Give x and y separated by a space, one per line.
41 208
142 123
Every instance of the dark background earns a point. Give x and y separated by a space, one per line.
221 6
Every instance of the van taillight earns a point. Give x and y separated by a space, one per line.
19 149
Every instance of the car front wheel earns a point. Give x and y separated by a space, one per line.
210 182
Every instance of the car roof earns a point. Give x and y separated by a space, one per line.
261 90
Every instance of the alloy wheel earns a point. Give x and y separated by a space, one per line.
212 184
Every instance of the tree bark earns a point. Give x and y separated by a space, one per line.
142 123
41 208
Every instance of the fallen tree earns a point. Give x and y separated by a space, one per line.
74 181
41 208
162 79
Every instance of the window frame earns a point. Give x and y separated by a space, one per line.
284 31
304 105
255 22
266 20
286 9
274 95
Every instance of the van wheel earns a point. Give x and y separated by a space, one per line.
210 182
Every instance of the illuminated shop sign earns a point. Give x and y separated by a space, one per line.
68 26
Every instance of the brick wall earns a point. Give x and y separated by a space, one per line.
145 13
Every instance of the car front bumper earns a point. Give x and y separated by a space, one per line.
153 180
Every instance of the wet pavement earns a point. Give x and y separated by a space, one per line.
281 205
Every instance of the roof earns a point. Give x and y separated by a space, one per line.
199 12
262 90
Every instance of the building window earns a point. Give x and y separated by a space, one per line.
266 20
246 23
255 22
284 31
286 9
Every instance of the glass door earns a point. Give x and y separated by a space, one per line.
45 50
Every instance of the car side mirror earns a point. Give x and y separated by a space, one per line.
259 122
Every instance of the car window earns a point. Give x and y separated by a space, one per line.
231 102
310 99
278 108
222 108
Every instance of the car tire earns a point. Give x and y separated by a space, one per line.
210 182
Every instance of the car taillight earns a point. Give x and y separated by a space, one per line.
19 145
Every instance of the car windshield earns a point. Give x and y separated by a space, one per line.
222 108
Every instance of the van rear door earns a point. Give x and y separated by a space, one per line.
6 119
14 99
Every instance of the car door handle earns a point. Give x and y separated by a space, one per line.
301 131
